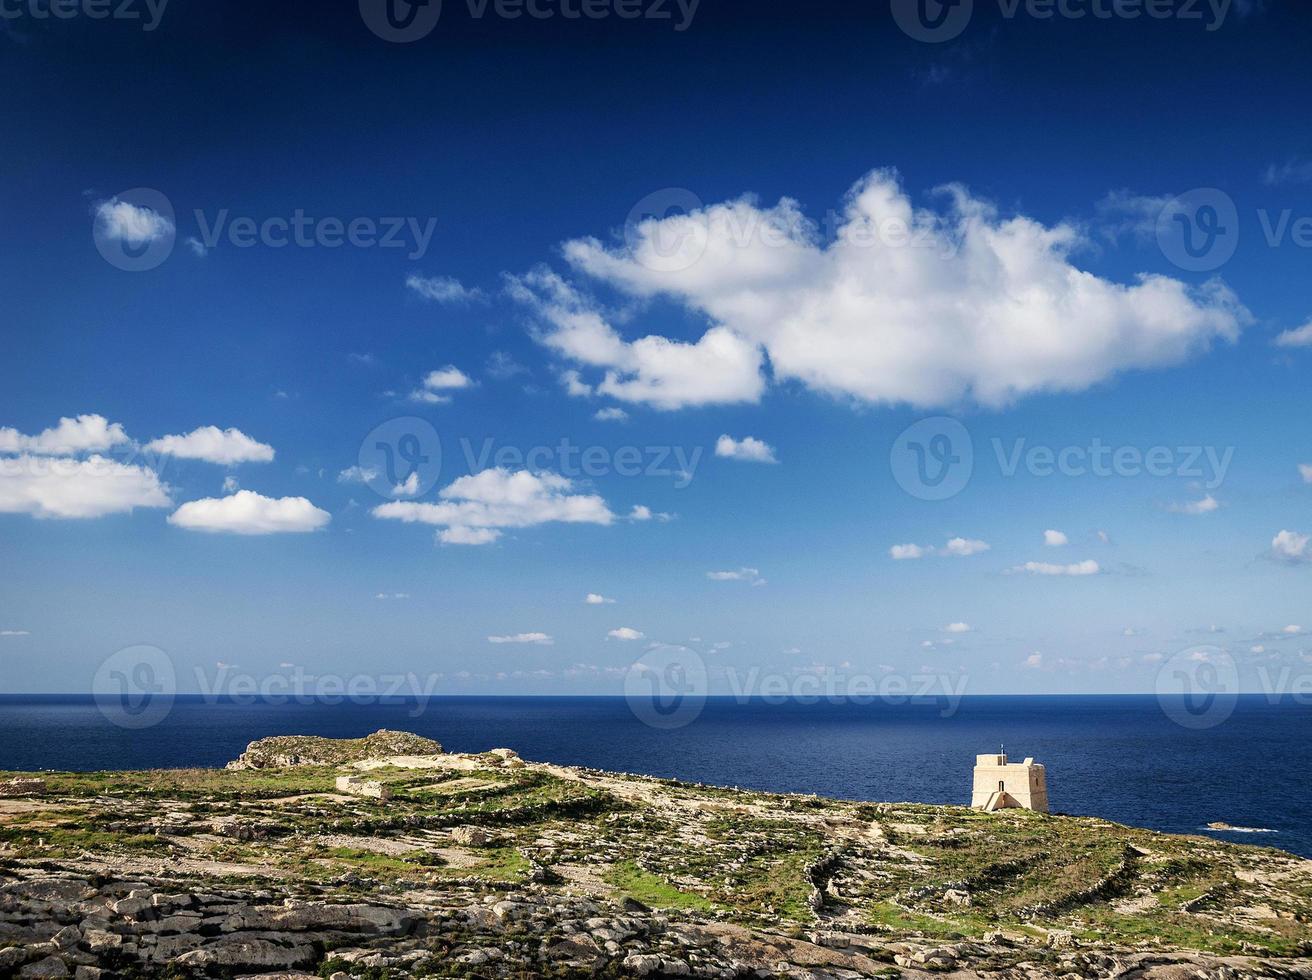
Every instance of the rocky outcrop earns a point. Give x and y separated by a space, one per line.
65 926
283 751
23 787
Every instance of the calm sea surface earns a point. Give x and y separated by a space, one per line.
1116 757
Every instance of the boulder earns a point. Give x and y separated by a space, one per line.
471 837
50 967
356 786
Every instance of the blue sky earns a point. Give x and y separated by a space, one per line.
574 236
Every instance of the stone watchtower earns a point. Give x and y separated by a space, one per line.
1000 784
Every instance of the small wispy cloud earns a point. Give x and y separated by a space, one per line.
747 450
538 639
1206 505
438 385
443 289
750 575
1291 547
1293 171
1297 337
954 548
1075 569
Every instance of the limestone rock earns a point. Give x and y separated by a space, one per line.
246 954
355 786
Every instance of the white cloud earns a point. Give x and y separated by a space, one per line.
574 386
209 443
76 488
475 509
751 575
641 512
1047 568
442 289
965 547
719 369
957 628
447 378
626 633
955 548
438 383
1196 507
595 599
357 474
1305 471
14 633
967 304
1298 337
84 434
747 449
540 639
385 596
1055 539
472 536
1292 631
1125 213
611 415
1291 546
123 222
409 487
1292 171
230 484
249 513
1034 661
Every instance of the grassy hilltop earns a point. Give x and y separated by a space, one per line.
899 883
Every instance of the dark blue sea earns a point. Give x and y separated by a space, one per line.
1118 757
